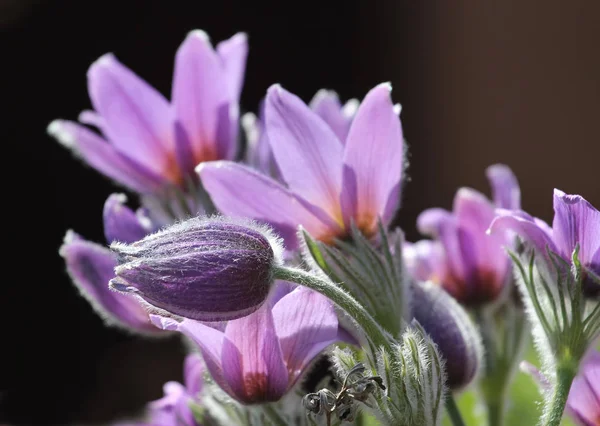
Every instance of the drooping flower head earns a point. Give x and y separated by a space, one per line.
470 264
259 358
325 104
208 269
576 224
173 409
329 183
148 144
91 266
583 404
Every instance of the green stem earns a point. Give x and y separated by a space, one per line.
372 329
555 406
453 411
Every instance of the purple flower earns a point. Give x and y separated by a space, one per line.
91 266
147 143
468 263
258 358
207 269
325 104
330 183
174 408
583 404
576 224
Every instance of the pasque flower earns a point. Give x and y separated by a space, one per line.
470 264
259 357
576 224
329 183
173 409
326 104
91 266
208 269
147 143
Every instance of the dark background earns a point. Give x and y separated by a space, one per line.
516 81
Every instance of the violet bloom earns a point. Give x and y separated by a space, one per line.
148 144
258 358
173 409
576 224
207 269
91 266
470 264
325 104
330 182
583 404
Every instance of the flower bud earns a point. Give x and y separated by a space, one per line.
207 269
451 329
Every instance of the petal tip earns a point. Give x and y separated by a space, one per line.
58 131
198 35
106 60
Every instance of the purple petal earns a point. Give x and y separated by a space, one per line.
121 223
430 220
576 222
239 191
258 372
209 340
306 323
326 105
138 119
373 161
91 266
199 95
308 153
584 397
425 260
526 227
192 373
505 187
474 214
233 54
102 156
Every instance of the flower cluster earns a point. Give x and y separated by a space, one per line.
263 252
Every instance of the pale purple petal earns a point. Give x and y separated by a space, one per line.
326 105
192 373
102 156
91 266
505 187
430 220
233 54
239 191
584 397
526 227
120 222
92 118
576 222
308 153
425 260
137 118
475 213
373 161
209 340
199 95
306 323
264 376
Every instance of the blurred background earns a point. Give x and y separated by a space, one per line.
516 82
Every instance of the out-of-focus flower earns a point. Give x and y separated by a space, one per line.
91 266
325 104
207 269
173 409
330 183
576 224
259 357
450 327
584 397
148 144
470 264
